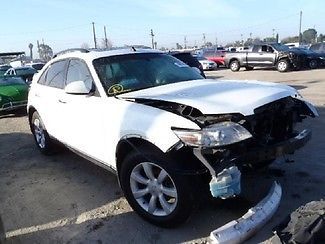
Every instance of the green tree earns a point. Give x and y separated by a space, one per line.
309 36
269 39
321 38
290 39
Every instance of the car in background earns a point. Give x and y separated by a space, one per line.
4 68
266 55
217 56
189 59
26 73
313 59
37 66
206 63
13 93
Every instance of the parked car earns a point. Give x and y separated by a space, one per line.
217 56
13 93
4 68
313 59
206 63
188 59
37 66
26 73
161 127
266 55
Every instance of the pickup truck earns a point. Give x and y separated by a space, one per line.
266 55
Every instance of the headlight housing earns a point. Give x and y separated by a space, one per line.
220 134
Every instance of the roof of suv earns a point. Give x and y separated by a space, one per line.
95 53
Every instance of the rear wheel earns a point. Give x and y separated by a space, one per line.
154 190
234 65
313 64
43 141
282 65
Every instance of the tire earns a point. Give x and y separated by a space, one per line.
42 139
234 66
283 65
249 67
313 64
144 190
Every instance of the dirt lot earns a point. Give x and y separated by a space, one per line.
66 199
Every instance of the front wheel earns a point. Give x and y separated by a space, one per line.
154 190
234 66
313 64
282 65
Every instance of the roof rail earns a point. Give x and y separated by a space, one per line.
82 50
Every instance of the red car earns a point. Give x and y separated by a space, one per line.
216 56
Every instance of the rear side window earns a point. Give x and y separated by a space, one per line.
78 71
42 79
55 75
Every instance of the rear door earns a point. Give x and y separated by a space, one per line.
46 97
261 55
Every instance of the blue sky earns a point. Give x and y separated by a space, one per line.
67 23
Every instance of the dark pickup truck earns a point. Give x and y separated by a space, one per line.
266 55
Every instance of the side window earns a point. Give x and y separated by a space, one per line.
264 48
55 75
256 48
42 79
78 71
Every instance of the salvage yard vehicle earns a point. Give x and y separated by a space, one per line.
26 73
266 55
206 63
160 126
13 93
313 59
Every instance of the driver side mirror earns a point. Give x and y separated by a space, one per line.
77 88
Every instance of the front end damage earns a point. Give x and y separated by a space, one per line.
228 142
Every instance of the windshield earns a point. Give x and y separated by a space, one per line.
280 47
11 80
131 72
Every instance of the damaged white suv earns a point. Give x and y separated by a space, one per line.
159 125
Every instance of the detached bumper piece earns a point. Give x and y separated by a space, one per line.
241 229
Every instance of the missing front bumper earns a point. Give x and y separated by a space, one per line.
241 229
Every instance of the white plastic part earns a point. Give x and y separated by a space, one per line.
241 229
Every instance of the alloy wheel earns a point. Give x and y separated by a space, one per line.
153 189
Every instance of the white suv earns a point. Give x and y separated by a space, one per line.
160 126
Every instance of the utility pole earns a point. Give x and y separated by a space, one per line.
94 33
216 42
300 35
106 41
273 32
204 40
185 42
152 40
250 35
242 40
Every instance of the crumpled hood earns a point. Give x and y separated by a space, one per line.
217 96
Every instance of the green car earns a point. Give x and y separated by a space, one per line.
13 93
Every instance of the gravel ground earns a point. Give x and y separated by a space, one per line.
66 199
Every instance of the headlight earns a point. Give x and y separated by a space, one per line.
220 134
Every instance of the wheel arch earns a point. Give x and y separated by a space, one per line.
129 144
30 112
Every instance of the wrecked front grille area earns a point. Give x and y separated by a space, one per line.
272 127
